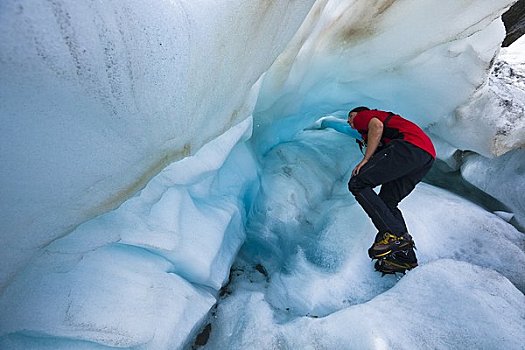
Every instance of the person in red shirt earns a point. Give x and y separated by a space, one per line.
398 155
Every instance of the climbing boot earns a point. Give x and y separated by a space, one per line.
388 243
397 262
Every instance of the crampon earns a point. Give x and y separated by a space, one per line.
397 262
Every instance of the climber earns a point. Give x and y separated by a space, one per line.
398 155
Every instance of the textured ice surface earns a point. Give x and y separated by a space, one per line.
304 279
98 97
145 274
493 121
116 295
501 177
351 53
445 304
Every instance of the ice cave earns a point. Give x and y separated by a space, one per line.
174 174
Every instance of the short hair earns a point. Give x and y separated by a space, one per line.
359 109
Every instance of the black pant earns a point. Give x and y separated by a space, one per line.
398 168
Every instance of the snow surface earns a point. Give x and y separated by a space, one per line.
97 107
435 307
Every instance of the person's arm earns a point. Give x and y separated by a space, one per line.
375 131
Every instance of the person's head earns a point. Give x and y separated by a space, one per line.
353 113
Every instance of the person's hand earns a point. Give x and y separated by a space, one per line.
359 166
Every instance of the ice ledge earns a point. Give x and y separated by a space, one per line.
147 273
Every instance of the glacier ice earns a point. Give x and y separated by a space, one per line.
319 289
501 177
350 53
495 114
435 306
99 99
147 272
115 296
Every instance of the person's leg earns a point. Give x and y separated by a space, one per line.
394 162
391 194
381 216
398 253
394 191
402 165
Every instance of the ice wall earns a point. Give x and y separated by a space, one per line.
492 122
421 59
501 177
492 125
147 273
368 53
97 97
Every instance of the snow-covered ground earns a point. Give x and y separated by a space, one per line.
251 234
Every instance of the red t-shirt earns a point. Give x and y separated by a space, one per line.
396 128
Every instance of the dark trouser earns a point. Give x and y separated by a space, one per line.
398 168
